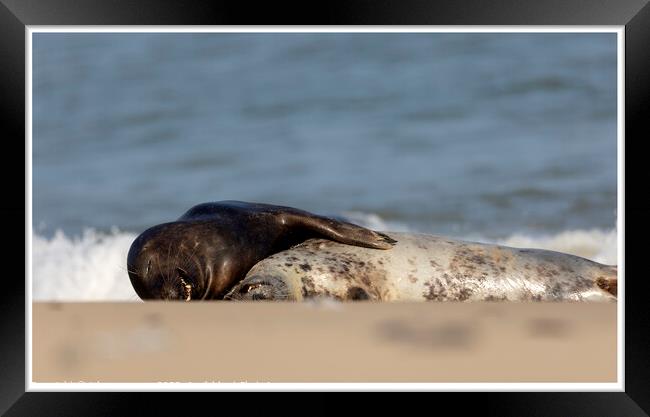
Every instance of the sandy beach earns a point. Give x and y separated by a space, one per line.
326 342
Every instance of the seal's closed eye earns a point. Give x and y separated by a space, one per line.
255 291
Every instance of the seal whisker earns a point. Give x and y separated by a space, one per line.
160 271
176 259
184 262
232 297
126 269
170 267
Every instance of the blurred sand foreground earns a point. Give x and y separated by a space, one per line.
325 342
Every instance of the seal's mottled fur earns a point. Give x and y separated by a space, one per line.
426 268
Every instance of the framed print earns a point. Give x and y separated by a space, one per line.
495 132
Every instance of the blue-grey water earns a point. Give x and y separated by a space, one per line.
457 134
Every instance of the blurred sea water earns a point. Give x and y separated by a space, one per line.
505 137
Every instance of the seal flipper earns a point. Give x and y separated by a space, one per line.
321 226
341 231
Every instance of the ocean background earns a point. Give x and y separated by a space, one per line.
506 138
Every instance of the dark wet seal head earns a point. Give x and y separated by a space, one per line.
260 288
161 268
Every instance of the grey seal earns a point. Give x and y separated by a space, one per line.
424 267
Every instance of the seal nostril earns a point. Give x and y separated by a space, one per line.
357 293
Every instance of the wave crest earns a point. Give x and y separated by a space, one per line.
90 267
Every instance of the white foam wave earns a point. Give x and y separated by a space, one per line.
92 267
597 245
374 222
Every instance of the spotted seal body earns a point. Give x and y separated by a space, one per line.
426 268
213 245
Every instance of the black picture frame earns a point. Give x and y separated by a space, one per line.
15 15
